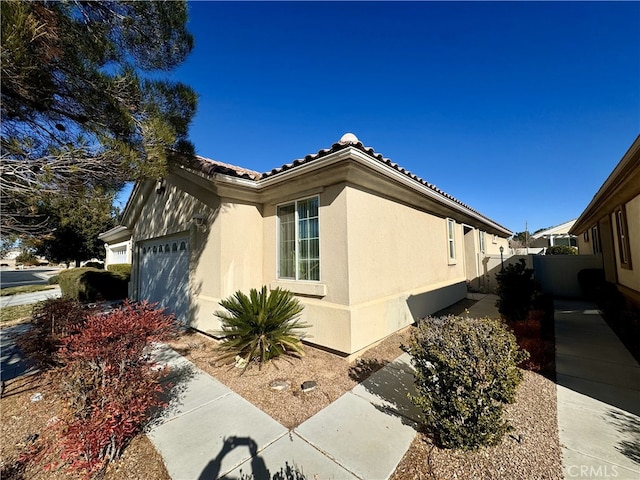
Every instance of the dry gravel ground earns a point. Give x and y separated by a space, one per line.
334 375
21 419
531 452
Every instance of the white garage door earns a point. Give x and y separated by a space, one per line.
164 274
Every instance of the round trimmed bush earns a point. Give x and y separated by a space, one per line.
466 371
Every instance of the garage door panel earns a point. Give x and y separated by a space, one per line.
164 275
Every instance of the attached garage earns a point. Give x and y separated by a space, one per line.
164 274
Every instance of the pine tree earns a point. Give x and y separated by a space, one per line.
82 102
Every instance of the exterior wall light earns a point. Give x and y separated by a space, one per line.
198 220
501 259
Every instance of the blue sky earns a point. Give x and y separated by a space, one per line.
520 110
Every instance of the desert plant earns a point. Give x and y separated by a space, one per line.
53 280
516 290
466 371
261 326
109 385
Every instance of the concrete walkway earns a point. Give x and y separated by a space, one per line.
598 396
28 298
210 432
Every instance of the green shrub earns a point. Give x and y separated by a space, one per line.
592 282
98 265
27 258
122 269
466 371
561 250
516 290
53 280
91 284
261 327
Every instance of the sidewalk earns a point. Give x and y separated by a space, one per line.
27 298
598 396
211 432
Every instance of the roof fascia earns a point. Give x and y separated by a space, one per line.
384 170
116 233
222 185
134 205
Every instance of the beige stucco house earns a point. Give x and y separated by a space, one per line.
610 225
554 236
366 246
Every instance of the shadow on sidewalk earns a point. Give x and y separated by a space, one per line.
388 391
259 470
629 428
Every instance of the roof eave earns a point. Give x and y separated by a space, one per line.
357 155
621 175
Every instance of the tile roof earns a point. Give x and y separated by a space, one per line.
372 153
212 167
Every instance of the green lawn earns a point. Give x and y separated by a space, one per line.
5 292
14 314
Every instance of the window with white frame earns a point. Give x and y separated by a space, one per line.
299 240
481 239
451 237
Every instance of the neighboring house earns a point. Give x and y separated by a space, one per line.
117 245
365 245
610 225
558 235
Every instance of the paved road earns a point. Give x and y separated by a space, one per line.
29 276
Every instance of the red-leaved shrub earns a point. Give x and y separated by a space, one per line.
110 386
51 320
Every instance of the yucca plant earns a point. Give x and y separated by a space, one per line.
261 326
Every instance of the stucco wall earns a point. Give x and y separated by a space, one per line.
382 263
227 258
630 278
395 249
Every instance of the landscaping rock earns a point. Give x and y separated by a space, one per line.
308 386
280 384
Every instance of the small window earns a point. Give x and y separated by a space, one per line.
482 243
155 249
495 239
166 248
144 250
183 246
451 238
174 247
160 249
624 251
